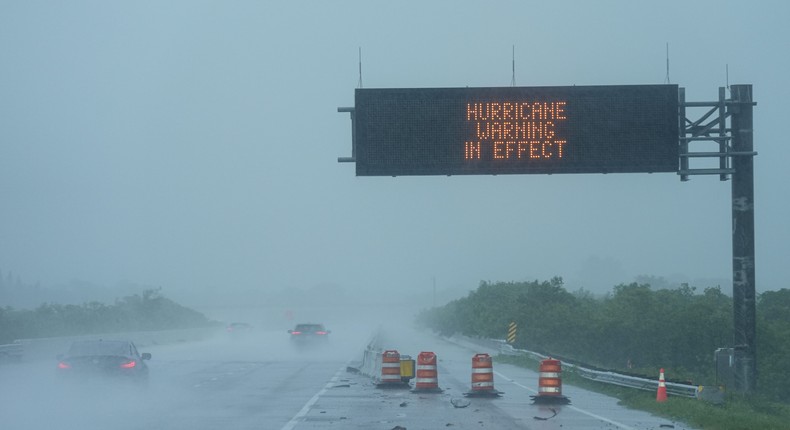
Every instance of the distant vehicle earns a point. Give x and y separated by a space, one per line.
309 333
238 327
104 359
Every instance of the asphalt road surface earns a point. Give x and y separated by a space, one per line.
261 381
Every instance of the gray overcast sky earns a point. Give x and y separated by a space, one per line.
192 145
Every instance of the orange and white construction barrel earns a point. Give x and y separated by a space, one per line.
550 382
390 369
427 379
482 377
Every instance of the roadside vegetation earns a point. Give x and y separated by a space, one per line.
738 413
148 311
637 330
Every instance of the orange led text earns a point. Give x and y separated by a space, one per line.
515 130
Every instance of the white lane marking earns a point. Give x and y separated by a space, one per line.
306 408
588 413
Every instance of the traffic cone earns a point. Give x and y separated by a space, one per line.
661 395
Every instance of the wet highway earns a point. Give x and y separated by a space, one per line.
261 381
355 403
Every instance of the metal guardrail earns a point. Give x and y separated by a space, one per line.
606 377
11 352
614 378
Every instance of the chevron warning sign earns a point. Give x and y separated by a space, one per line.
511 333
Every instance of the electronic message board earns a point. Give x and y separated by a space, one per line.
516 130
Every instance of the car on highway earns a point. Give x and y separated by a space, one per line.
309 333
100 358
238 328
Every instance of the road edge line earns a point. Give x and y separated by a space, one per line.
577 409
307 406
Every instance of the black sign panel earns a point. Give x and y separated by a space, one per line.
516 130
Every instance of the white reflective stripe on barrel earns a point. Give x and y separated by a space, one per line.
549 389
486 370
390 371
482 384
426 367
549 375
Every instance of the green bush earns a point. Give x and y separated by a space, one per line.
633 329
149 311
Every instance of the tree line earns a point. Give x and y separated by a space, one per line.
138 312
633 329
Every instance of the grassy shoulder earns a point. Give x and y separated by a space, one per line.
738 413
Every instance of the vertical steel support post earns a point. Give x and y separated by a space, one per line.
743 279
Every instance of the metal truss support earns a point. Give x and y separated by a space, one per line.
351 111
710 126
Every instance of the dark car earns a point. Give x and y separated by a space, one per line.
309 333
238 328
104 358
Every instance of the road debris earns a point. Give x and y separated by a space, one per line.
554 411
460 402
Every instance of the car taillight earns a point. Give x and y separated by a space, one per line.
296 332
129 364
320 332
62 365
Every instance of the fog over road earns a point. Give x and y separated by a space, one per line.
260 381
